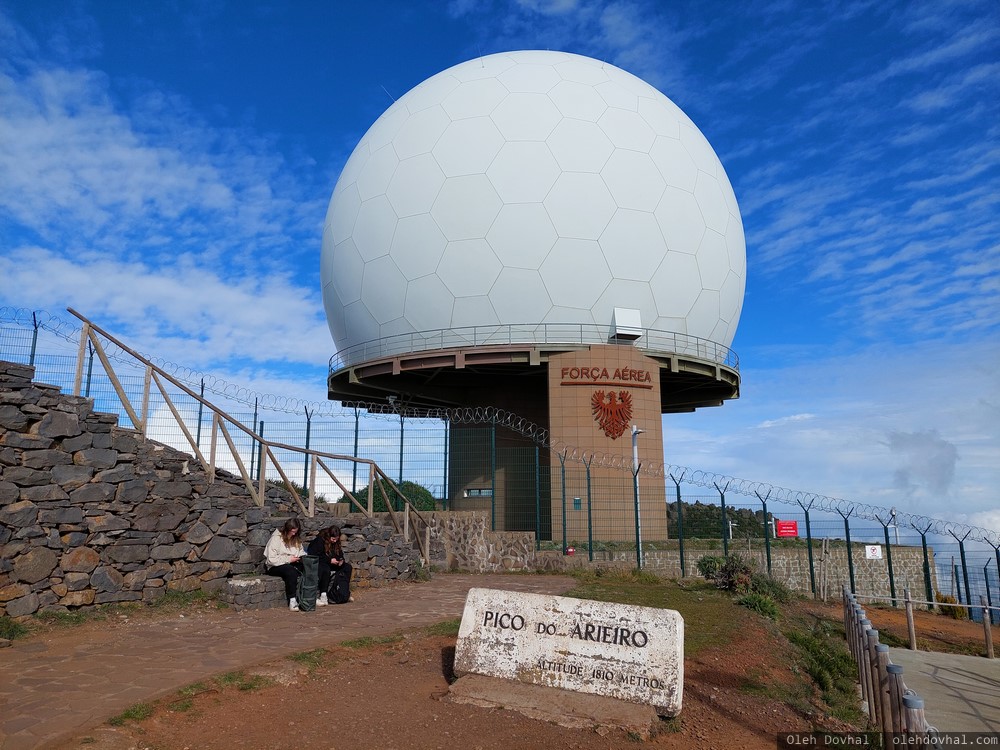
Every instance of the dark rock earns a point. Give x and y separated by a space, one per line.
60 515
99 458
46 459
23 513
80 560
77 581
126 553
132 492
159 515
9 492
94 492
27 477
78 443
117 475
57 424
106 578
171 489
106 522
34 565
73 538
71 477
49 493
199 533
28 442
235 527
12 418
26 605
221 548
170 551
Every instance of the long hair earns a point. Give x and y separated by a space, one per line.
286 532
331 541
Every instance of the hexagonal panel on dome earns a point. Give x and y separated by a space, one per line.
675 163
431 92
334 314
422 131
680 220
713 260
530 78
713 205
386 127
523 172
343 213
580 146
428 304
376 224
466 207
575 273
360 322
627 129
580 205
736 243
415 185
468 146
696 145
469 267
347 271
526 117
582 70
660 117
522 235
672 286
383 289
731 297
633 179
519 296
616 96
474 311
568 317
374 179
474 99
482 68
578 101
705 314
417 246
633 245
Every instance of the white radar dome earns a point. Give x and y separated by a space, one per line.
532 187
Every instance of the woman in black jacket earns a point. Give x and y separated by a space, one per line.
334 571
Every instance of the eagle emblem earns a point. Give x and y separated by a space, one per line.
614 414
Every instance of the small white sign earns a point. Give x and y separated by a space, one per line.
621 651
873 551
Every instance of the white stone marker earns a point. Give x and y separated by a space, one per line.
622 651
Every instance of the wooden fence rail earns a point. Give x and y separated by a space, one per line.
892 707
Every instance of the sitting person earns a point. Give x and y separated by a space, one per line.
281 558
334 570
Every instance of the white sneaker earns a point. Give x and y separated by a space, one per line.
293 604
322 601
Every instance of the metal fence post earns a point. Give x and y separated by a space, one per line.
493 477
201 408
538 501
562 473
401 429
90 366
253 442
725 526
965 568
767 529
590 519
888 559
928 588
850 556
34 339
354 470
447 436
809 549
989 596
305 456
680 522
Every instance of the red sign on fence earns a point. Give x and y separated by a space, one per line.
786 528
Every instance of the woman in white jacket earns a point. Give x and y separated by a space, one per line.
281 558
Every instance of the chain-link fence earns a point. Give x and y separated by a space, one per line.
474 460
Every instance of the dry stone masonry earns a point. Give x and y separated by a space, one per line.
91 513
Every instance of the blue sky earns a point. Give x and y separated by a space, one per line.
165 169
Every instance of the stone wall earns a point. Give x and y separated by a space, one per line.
462 540
91 513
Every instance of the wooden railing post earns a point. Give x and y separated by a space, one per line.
895 673
910 627
874 693
916 722
884 693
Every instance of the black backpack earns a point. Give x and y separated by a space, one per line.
308 583
340 587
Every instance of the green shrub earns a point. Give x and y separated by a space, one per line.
418 495
710 565
959 613
763 584
759 603
11 629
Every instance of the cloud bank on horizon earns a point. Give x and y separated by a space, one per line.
167 172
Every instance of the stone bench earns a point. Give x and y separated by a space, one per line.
253 592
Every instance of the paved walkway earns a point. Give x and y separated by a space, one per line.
961 693
56 687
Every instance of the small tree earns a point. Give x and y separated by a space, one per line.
418 495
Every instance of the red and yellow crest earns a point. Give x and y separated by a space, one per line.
613 414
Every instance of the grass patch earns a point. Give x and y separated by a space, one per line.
181 599
446 628
368 641
311 659
11 629
824 656
138 712
759 603
241 681
72 619
710 616
195 688
182 706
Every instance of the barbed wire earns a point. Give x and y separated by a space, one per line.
540 436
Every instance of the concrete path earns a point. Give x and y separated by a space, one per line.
961 693
56 687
